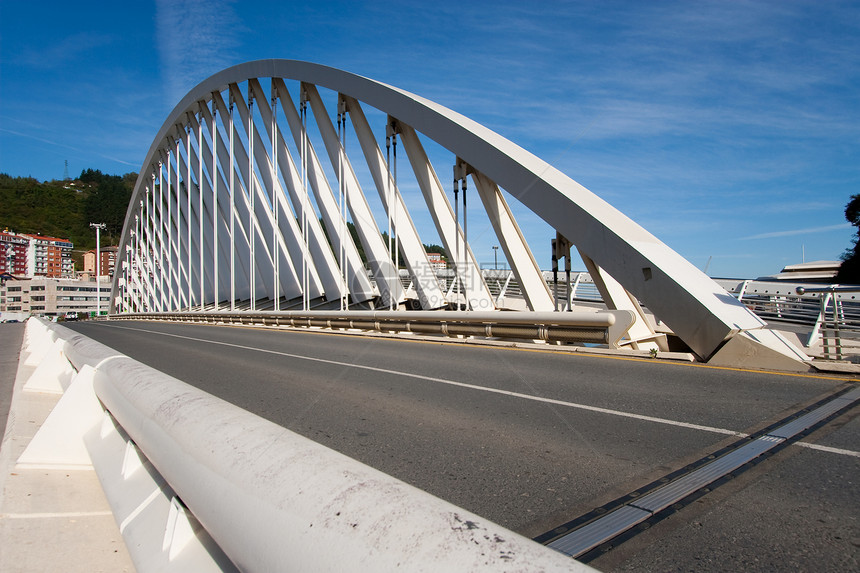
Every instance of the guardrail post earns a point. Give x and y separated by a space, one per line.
816 329
837 318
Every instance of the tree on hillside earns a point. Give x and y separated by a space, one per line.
28 206
108 200
849 272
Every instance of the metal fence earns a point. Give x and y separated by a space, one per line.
831 311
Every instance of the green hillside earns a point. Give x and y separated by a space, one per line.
64 209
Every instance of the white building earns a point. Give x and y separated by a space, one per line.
51 297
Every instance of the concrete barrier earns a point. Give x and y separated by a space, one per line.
54 374
59 442
79 434
37 341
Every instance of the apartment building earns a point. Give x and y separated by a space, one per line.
31 256
107 264
13 253
50 257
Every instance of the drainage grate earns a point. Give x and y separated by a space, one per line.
586 537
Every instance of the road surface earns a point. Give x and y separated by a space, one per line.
533 438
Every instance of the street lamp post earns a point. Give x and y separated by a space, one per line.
98 227
495 257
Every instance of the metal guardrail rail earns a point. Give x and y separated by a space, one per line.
606 327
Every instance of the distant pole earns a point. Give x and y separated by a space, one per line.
495 257
98 227
66 171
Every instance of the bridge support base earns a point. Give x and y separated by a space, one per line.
761 349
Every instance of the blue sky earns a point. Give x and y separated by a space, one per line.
730 130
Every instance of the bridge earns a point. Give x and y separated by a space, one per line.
235 209
380 415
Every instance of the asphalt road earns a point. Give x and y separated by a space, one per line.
532 439
11 336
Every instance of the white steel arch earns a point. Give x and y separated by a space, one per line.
229 212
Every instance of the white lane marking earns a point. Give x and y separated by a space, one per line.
68 514
828 449
494 391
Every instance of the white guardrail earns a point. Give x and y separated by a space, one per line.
198 484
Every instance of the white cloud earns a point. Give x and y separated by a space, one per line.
66 50
194 41
797 232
